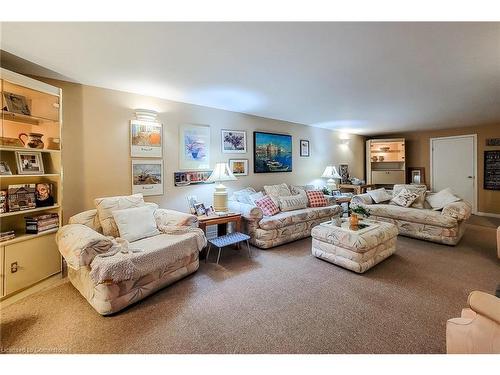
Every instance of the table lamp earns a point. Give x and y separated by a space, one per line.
221 173
332 174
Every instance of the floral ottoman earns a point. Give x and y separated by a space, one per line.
355 249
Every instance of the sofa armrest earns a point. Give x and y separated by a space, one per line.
485 304
246 210
361 200
164 217
460 210
79 244
330 200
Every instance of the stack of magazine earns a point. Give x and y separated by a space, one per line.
41 223
5 236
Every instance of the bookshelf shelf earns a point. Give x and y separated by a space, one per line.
7 148
29 175
23 237
23 212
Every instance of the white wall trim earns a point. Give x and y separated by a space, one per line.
474 137
478 213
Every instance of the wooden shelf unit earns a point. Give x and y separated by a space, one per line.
386 161
30 258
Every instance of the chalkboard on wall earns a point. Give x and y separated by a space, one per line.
492 170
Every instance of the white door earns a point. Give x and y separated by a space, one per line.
453 165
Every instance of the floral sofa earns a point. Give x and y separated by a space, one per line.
112 273
269 231
444 226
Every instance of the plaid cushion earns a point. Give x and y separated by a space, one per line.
316 198
267 205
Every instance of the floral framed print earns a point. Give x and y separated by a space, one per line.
147 177
239 167
145 139
234 141
194 147
304 148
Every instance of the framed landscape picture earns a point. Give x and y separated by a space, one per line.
147 177
194 147
272 152
234 141
239 167
304 147
145 139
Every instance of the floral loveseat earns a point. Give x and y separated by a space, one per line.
112 273
269 231
444 226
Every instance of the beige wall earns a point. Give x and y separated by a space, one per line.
96 152
418 155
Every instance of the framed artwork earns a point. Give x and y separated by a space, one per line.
492 170
344 173
186 178
29 162
4 168
272 152
199 209
234 141
416 175
145 139
239 167
16 103
147 177
194 147
304 148
21 197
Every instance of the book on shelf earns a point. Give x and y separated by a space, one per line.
41 223
3 201
5 236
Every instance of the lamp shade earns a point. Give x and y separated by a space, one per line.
330 172
220 173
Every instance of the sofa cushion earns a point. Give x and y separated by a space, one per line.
284 219
136 223
106 206
292 202
420 189
88 218
410 214
243 195
276 191
316 198
404 198
269 208
379 195
442 198
255 197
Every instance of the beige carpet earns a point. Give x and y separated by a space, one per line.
281 301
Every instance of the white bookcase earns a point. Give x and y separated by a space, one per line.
386 161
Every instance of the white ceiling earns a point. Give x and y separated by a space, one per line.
364 78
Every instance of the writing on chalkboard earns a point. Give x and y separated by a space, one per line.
492 170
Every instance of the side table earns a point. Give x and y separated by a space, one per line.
221 222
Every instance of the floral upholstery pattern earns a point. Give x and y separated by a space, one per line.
355 251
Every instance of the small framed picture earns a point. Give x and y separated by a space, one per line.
416 175
147 177
29 162
16 103
145 139
239 167
234 141
199 209
4 168
210 211
304 148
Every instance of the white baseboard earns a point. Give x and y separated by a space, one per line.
487 214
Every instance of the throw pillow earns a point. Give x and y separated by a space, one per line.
276 191
442 198
255 197
297 189
243 196
106 206
419 189
136 223
379 195
404 198
267 205
293 202
316 198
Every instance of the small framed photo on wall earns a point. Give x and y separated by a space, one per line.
145 139
304 148
239 167
147 177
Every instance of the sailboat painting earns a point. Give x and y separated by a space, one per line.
272 152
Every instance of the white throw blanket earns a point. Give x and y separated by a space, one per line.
127 261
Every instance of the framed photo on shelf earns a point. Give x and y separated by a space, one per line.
29 162
200 209
194 147
344 173
4 168
416 175
147 177
234 141
304 148
272 152
16 103
239 167
146 139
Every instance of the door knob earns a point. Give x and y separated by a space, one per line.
470 177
